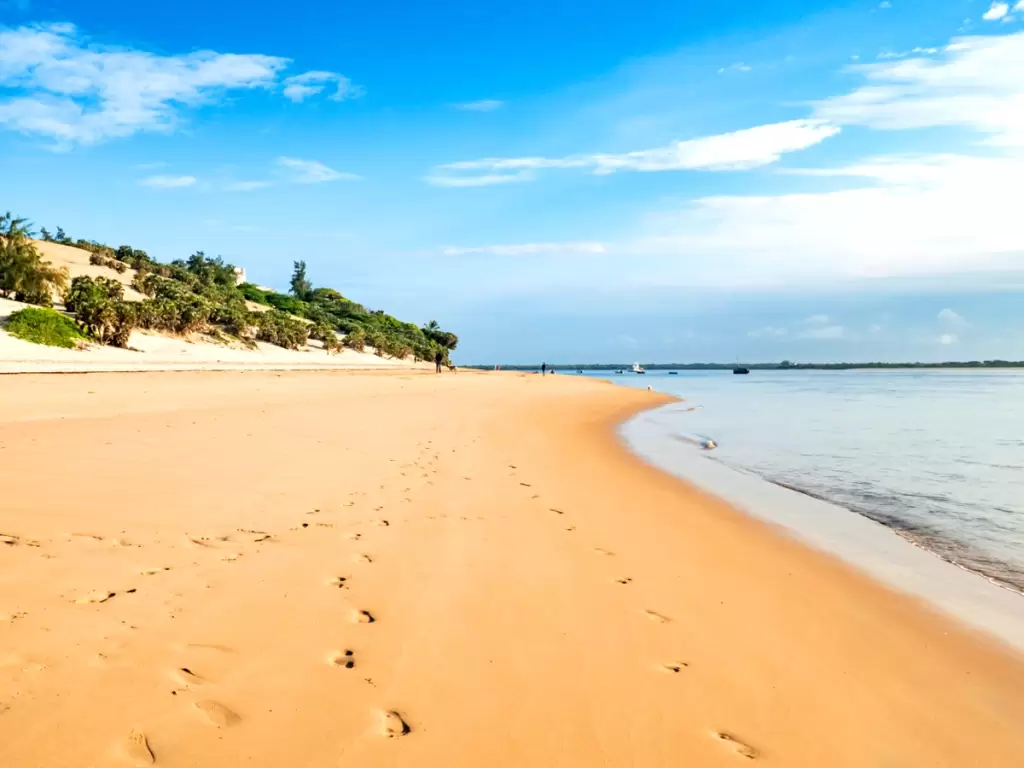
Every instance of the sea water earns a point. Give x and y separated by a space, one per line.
937 455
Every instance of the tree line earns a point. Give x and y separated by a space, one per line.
201 295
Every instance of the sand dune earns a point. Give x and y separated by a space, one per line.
537 596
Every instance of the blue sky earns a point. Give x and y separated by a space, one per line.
668 181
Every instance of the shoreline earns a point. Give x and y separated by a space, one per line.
538 594
880 551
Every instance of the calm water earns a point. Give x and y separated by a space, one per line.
937 455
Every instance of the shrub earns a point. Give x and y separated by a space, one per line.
235 318
45 326
281 329
376 340
123 321
356 339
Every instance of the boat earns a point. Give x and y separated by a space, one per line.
620 371
637 368
739 369
673 373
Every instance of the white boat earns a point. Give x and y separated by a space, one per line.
637 368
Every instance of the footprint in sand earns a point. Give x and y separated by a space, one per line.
135 749
739 746
99 596
362 558
363 617
186 677
216 714
624 580
337 581
600 551
393 725
655 616
154 571
344 659
674 667
557 511
355 536
230 557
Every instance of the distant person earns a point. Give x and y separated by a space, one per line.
543 369
438 360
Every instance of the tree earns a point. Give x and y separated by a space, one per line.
45 234
23 273
60 237
301 287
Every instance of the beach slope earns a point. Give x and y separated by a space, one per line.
402 569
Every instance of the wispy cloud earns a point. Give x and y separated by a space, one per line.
312 171
767 332
974 83
168 182
298 88
823 332
528 249
738 150
76 92
738 66
484 105
948 338
247 186
68 89
487 180
996 11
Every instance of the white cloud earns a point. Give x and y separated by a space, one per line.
168 182
312 171
767 332
885 4
738 150
738 66
975 83
487 180
247 186
910 216
948 338
996 11
529 249
301 87
75 92
951 319
1019 6
484 105
823 332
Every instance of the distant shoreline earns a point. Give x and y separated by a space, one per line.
759 366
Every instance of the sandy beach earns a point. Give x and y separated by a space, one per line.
327 568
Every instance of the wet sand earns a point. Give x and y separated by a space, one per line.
373 569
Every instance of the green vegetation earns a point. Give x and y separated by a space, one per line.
24 276
200 295
45 326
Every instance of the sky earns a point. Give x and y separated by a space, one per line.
569 182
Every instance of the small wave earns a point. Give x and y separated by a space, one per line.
924 537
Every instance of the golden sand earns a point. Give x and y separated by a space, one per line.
327 569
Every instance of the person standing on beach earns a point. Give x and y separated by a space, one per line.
438 359
543 369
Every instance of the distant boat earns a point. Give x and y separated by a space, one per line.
579 370
620 371
673 373
637 368
740 370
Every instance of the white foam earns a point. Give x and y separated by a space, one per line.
869 546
